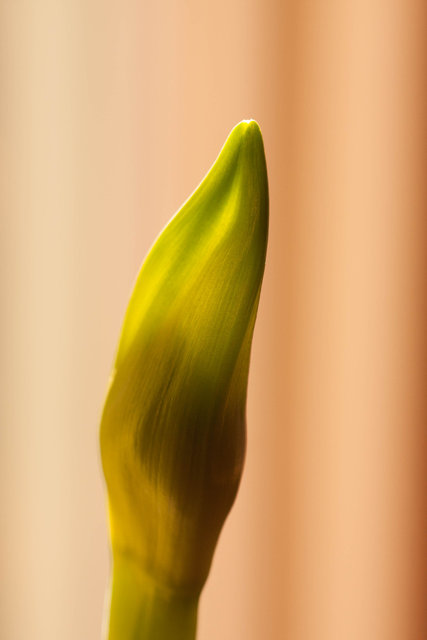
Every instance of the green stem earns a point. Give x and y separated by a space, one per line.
142 610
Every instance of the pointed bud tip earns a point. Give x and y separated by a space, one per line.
247 127
247 136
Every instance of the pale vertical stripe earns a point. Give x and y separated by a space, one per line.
37 320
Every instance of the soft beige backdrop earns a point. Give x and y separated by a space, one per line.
110 114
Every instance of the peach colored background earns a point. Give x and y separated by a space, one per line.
110 114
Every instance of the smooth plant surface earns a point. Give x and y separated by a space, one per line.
173 430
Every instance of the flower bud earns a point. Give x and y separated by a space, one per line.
173 426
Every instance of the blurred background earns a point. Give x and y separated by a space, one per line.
110 115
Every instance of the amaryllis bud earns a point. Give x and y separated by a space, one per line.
173 427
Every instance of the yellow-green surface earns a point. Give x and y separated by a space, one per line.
173 426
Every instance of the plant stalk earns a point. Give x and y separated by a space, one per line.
141 609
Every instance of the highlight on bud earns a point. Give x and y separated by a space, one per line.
173 426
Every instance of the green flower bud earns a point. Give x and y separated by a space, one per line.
173 426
